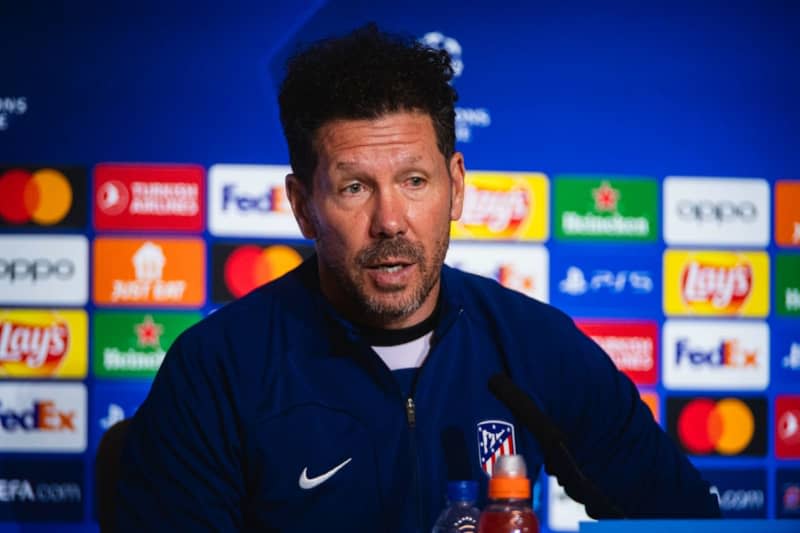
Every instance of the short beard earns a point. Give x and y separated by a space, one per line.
377 310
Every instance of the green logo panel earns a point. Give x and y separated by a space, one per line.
133 344
787 284
603 208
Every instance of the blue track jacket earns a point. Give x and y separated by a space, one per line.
272 414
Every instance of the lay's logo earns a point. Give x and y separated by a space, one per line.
506 206
43 344
716 283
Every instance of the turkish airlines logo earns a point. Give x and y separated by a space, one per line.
787 427
238 269
250 201
523 268
149 197
631 345
38 417
718 426
705 354
716 211
716 283
161 272
43 197
44 270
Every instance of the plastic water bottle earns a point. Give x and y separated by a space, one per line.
460 515
509 509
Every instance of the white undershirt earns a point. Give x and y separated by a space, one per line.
408 355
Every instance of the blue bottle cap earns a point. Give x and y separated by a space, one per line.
462 491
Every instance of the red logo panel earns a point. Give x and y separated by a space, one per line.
149 197
633 346
787 427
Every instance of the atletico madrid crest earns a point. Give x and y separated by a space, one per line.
495 438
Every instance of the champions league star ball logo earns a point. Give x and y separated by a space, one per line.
495 438
439 41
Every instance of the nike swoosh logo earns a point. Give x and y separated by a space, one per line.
309 483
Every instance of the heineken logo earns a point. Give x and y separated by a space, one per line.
605 198
605 208
131 344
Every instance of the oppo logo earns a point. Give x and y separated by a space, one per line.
36 269
722 211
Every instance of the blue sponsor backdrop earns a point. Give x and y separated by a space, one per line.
623 87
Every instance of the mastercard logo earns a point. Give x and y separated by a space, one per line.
725 426
248 267
43 197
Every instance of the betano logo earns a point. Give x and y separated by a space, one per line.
716 283
43 197
154 272
43 344
503 206
726 426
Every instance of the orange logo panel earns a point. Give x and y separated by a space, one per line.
161 272
787 213
651 400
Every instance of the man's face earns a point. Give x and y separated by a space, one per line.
380 210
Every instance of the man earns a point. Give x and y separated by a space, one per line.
339 396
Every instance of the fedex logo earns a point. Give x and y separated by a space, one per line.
250 201
716 355
727 353
272 200
38 417
43 415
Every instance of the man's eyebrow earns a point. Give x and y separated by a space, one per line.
353 165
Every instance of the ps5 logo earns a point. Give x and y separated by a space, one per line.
607 281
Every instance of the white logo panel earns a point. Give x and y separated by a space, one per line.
563 513
44 270
524 268
250 201
36 417
716 211
716 355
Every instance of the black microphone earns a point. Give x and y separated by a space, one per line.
558 461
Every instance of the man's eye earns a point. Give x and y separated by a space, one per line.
416 181
354 188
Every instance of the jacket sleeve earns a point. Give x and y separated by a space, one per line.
618 445
181 463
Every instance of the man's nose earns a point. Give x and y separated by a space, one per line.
389 215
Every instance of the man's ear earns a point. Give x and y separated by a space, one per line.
300 198
457 174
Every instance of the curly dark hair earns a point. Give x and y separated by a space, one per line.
363 75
